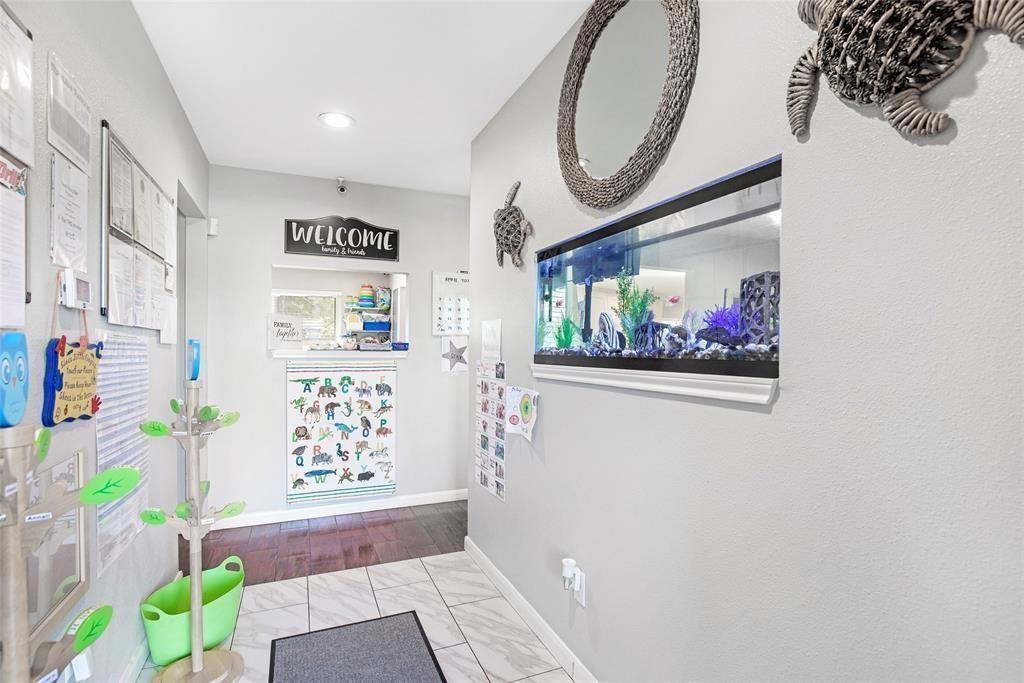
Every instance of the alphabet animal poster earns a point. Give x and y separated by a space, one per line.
341 430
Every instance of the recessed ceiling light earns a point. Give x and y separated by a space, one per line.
335 119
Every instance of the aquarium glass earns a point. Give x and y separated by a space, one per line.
691 284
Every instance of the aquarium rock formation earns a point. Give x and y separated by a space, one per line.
759 306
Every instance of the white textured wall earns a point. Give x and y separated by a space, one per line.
248 462
869 524
106 48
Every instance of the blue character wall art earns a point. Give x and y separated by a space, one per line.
13 378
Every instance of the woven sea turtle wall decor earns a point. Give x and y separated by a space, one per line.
511 229
889 53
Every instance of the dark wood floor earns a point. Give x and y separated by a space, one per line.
272 552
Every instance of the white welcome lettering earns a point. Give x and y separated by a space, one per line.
301 234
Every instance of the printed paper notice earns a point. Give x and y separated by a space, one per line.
69 116
124 382
158 218
169 225
16 111
120 191
169 321
12 245
120 281
69 192
155 305
170 278
142 205
490 333
451 304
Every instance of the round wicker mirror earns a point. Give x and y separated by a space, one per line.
683 19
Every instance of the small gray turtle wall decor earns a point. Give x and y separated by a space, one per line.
511 229
889 53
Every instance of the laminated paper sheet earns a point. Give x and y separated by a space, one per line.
12 244
142 207
140 289
16 103
123 384
68 116
120 281
121 191
69 205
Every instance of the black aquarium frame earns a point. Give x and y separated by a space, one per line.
741 180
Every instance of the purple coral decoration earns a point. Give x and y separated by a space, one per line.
727 318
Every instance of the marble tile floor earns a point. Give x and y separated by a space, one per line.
475 633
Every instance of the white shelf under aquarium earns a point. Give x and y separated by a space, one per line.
756 390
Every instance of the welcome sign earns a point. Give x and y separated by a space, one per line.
342 237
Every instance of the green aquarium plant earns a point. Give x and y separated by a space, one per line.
565 333
633 305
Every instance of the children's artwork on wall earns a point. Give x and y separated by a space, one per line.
453 355
489 437
521 408
69 386
340 438
13 378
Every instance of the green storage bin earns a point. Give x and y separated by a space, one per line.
165 613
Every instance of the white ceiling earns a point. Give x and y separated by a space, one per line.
420 78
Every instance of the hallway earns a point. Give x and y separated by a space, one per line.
475 633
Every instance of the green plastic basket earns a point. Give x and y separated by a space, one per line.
165 613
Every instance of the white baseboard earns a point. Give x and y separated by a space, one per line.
136 662
292 514
561 652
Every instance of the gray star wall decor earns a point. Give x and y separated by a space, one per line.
454 355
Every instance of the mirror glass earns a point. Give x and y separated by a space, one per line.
622 87
55 569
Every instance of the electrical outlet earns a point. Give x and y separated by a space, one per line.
580 592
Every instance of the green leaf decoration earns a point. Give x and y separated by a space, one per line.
204 487
233 509
175 406
229 419
154 516
109 485
155 428
43 438
207 413
183 510
89 626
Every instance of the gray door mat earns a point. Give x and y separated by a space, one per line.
392 649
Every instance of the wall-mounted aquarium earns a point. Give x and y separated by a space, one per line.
690 285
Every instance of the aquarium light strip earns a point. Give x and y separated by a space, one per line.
720 187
